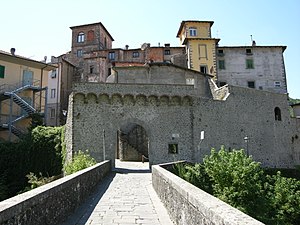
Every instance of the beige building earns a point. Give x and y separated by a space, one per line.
23 92
200 46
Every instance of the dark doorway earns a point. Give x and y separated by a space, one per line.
132 143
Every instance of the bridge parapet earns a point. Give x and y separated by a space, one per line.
53 202
187 204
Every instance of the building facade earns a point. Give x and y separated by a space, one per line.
23 93
200 46
60 82
259 67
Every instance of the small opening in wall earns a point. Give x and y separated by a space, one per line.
173 148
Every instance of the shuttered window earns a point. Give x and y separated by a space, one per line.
2 71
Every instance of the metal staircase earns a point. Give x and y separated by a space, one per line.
11 94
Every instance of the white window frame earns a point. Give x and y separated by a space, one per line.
53 93
80 37
193 31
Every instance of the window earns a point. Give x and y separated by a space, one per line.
80 37
277 84
248 51
52 113
135 54
251 84
203 69
2 71
111 55
249 64
53 74
193 31
220 52
277 112
202 49
173 148
222 64
53 92
90 35
167 52
91 69
79 53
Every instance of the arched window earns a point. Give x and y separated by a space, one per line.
277 112
80 37
90 35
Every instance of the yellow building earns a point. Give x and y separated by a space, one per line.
23 92
200 46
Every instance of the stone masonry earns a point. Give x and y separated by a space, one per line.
173 112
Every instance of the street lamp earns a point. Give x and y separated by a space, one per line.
246 139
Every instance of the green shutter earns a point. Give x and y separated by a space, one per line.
2 71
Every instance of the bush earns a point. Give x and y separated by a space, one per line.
236 179
81 160
37 152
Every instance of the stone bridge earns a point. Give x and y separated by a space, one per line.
130 194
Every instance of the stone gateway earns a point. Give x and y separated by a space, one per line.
158 111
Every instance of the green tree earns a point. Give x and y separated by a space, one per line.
236 178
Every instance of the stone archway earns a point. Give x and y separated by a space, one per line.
133 143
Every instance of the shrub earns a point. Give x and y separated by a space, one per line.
81 160
236 178
284 199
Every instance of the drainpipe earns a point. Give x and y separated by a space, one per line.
10 117
59 69
41 85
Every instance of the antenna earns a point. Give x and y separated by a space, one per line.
251 38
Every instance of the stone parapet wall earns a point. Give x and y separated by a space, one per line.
53 202
187 204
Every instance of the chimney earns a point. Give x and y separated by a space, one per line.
253 43
126 47
12 51
167 45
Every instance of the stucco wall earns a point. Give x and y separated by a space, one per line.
268 67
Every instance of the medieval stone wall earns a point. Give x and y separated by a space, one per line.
176 114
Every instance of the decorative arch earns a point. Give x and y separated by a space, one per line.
80 97
92 98
175 100
104 99
187 100
164 100
117 99
141 99
277 113
153 100
128 99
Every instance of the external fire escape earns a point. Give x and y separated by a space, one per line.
10 96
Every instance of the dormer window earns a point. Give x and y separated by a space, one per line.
80 37
193 31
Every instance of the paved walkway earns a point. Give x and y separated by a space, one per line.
124 197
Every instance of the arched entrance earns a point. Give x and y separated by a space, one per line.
132 143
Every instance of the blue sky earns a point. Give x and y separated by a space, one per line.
38 28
